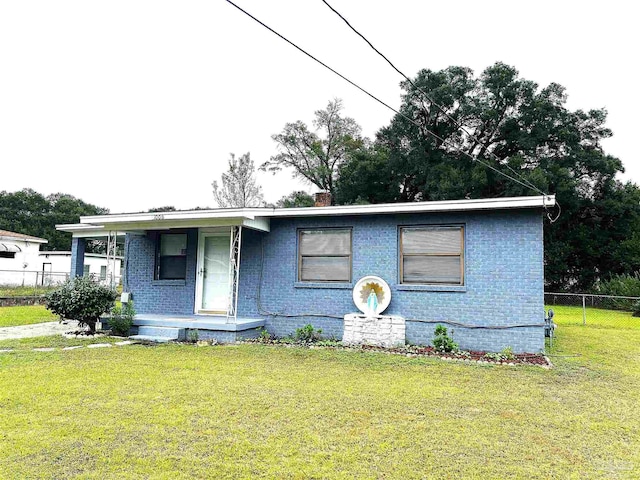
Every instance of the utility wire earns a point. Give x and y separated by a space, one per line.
444 141
443 110
428 97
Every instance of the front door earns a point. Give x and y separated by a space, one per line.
212 292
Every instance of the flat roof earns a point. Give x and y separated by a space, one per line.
259 217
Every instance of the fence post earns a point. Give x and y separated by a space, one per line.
584 311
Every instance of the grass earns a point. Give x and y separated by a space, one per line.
180 411
24 291
55 341
14 316
595 317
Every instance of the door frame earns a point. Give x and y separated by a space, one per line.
202 234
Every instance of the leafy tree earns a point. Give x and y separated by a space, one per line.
295 199
523 131
162 209
239 187
311 157
29 212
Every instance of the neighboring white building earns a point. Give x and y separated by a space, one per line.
95 265
19 258
22 262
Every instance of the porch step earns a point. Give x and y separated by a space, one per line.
150 338
167 333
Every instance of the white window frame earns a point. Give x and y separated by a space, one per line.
300 253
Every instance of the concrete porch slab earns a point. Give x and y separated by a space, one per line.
200 322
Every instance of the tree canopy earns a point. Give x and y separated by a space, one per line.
296 199
239 187
522 130
313 158
29 212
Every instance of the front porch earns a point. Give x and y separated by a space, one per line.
177 327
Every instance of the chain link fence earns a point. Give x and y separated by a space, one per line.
31 282
607 311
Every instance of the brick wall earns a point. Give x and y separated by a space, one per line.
171 297
503 278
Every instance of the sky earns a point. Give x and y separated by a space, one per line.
135 104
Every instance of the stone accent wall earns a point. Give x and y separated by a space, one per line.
381 330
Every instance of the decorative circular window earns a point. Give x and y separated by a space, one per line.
371 295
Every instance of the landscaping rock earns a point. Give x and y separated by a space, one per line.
99 345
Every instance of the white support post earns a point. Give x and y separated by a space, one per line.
584 311
237 275
234 273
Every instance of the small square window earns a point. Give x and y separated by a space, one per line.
171 256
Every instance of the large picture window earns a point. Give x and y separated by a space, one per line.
324 255
432 255
171 256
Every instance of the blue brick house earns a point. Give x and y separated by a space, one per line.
475 266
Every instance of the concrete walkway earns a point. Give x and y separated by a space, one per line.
37 330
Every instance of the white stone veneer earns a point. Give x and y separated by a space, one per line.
381 330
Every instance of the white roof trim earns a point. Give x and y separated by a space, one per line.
100 223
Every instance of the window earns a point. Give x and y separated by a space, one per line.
432 255
324 255
86 271
103 272
171 256
7 254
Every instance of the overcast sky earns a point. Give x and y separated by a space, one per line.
137 104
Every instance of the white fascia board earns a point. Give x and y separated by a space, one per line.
10 238
422 207
234 213
249 216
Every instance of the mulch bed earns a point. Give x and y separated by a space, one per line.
412 351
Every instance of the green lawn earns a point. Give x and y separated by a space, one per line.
596 317
181 411
18 291
13 316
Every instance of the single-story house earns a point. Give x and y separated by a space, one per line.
19 258
475 266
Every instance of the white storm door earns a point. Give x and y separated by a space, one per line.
212 296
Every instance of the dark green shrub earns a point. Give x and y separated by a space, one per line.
307 334
121 319
636 308
81 299
443 342
619 285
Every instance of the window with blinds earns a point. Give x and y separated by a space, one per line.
432 255
171 256
324 255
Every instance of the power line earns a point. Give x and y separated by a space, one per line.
444 141
428 97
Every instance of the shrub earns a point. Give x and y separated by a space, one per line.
81 299
620 285
443 342
193 336
264 336
636 308
307 334
121 319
